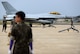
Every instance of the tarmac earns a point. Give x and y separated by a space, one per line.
48 40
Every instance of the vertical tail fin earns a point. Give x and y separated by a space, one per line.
9 9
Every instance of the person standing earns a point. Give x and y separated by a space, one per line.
4 25
11 42
13 22
22 35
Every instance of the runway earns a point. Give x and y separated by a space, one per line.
48 40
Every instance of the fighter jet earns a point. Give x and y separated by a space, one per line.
44 18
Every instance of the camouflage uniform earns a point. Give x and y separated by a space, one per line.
22 35
13 22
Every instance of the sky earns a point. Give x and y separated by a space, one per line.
65 7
